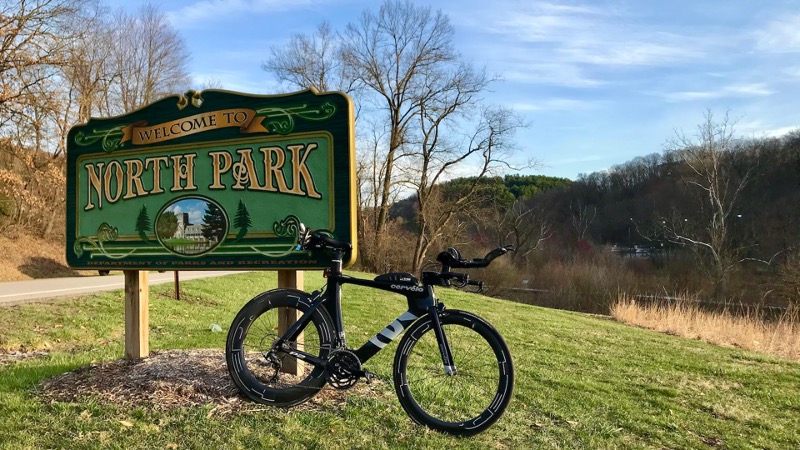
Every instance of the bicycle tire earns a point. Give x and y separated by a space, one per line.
454 404
256 369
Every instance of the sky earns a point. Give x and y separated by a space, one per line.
196 209
598 82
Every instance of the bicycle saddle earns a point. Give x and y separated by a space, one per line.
318 239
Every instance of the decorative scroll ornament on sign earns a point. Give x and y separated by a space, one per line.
263 120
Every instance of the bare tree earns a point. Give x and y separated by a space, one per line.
582 216
87 69
527 228
33 37
393 54
487 149
718 185
211 83
150 58
400 60
58 64
521 224
311 61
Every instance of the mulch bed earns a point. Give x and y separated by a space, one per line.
167 380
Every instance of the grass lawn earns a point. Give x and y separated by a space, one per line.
178 241
581 381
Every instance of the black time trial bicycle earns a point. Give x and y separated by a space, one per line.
452 370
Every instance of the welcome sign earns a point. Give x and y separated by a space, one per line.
209 180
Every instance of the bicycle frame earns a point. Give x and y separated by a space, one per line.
421 302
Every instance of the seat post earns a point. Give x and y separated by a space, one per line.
334 290
336 262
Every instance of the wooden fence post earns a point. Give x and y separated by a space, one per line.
137 315
291 279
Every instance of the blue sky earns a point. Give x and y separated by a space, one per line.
600 82
195 207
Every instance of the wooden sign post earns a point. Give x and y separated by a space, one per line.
290 279
137 314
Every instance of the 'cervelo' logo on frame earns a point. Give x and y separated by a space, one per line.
404 287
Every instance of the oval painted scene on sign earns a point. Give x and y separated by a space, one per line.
191 226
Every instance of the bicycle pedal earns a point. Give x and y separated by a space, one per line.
369 376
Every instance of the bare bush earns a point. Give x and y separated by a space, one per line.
34 191
501 278
389 254
787 284
588 284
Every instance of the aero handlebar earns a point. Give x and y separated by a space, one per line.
451 258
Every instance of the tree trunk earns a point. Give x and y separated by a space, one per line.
386 185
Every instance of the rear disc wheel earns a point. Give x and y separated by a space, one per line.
268 375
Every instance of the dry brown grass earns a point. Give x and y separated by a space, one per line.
779 337
27 257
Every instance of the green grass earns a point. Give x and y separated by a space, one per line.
178 241
581 381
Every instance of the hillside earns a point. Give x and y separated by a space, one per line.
26 257
582 382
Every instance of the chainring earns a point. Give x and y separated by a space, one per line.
344 369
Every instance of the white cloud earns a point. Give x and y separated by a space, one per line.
203 11
578 159
591 36
778 132
554 104
780 36
623 53
239 81
750 89
545 8
759 128
732 90
565 74
196 216
581 45
793 72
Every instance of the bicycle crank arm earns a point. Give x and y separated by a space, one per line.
366 375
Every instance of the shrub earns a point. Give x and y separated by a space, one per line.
787 282
588 284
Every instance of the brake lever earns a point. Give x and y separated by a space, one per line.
462 282
476 283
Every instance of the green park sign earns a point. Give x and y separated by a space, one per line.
211 180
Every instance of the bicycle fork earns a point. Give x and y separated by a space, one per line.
441 339
388 334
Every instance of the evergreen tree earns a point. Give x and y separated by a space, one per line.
143 223
242 220
215 225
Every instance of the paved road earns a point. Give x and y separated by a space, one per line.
17 292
